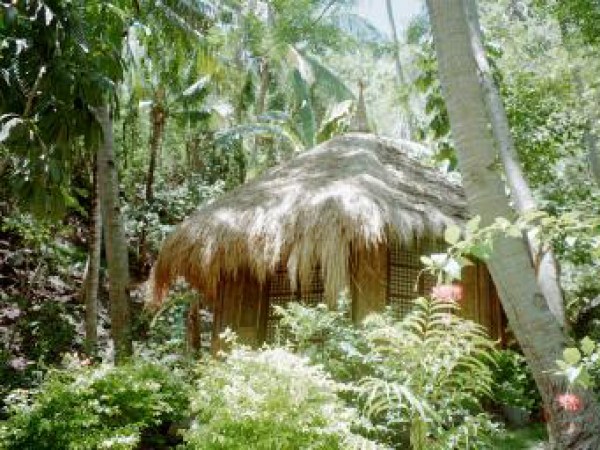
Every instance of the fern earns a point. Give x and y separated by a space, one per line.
432 360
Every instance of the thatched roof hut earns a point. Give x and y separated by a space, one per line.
329 207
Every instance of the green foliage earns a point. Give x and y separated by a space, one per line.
423 375
37 240
546 128
268 399
58 60
45 331
328 338
170 206
513 383
435 125
98 407
534 436
580 18
37 335
37 321
433 368
581 365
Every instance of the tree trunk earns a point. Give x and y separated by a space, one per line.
4 164
114 239
543 258
537 329
158 118
390 13
92 274
263 89
407 119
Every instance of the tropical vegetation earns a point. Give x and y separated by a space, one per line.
119 118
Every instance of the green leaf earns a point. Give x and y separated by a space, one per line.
452 234
571 355
482 250
307 127
426 261
514 231
584 378
563 366
473 224
7 126
587 346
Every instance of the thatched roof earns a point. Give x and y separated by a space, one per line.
346 194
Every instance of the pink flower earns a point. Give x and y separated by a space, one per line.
448 292
569 402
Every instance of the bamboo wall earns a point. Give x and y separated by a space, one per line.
385 275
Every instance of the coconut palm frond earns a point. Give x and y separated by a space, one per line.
327 80
359 27
307 126
258 129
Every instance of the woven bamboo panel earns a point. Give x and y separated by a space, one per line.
403 271
280 294
313 294
404 266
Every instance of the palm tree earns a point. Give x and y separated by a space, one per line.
114 239
478 125
290 86
92 271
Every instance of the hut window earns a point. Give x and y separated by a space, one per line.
404 266
280 294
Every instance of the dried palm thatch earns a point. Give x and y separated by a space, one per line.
349 193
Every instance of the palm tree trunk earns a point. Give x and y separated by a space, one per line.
114 239
158 118
263 89
544 261
91 282
390 13
537 329
407 119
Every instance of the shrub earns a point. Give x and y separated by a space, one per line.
432 369
513 383
328 338
269 399
100 407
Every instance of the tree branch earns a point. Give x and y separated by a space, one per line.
33 92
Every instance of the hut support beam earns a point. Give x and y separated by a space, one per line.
369 281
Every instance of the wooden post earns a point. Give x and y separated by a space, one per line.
369 282
193 325
240 303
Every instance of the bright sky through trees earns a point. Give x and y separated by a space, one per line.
375 11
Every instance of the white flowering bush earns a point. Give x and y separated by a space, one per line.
94 408
267 399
